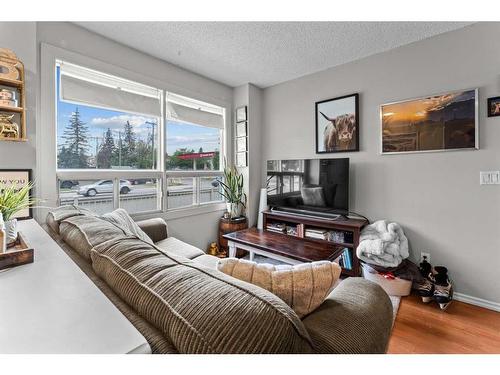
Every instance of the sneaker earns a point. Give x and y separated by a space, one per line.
425 288
443 289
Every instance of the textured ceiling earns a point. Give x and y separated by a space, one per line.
264 53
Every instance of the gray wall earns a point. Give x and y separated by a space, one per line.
20 37
199 229
251 96
435 196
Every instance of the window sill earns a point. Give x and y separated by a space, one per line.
182 212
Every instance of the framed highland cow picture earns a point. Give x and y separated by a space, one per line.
337 124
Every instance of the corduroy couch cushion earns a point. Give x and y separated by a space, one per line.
201 310
57 215
82 232
303 287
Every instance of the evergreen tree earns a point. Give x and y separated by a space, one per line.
63 158
128 145
75 143
106 151
144 155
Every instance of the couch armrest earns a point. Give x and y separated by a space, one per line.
355 318
155 228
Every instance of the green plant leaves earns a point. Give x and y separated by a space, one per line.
14 199
232 186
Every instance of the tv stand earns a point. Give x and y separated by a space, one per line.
305 226
309 214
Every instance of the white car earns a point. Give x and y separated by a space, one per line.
103 186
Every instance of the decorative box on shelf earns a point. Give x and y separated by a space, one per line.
18 254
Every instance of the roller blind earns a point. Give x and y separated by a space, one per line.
89 87
194 112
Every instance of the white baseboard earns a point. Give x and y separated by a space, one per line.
495 306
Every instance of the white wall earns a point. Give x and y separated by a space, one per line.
200 229
20 37
435 196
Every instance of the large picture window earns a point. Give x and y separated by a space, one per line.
145 158
194 134
104 122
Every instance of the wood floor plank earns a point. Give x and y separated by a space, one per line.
463 328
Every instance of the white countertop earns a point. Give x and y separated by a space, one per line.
51 306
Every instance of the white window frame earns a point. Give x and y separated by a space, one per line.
47 173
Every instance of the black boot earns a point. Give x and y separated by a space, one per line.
443 290
425 288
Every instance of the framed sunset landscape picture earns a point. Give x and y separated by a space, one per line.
440 122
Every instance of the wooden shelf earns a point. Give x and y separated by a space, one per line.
343 244
4 108
353 226
11 82
11 62
14 139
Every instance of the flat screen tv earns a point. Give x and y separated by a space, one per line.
309 186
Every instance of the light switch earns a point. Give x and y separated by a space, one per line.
489 178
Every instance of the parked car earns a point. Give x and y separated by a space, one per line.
140 181
103 186
68 184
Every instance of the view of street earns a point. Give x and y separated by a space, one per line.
141 197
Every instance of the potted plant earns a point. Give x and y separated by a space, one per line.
232 191
13 200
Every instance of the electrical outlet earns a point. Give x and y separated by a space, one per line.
426 255
489 177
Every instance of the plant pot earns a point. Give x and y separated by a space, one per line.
234 209
11 231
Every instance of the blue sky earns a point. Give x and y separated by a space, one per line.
179 135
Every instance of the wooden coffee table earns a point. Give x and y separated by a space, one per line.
287 249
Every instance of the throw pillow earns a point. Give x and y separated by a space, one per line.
122 219
303 287
313 196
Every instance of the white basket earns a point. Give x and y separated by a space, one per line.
393 287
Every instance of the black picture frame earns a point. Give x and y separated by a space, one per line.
491 111
318 113
29 173
241 114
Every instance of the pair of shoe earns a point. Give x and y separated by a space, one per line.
436 285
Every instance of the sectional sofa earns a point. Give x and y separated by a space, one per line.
173 294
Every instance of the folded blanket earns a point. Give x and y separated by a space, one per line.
383 244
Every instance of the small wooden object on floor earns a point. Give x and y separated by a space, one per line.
228 226
20 253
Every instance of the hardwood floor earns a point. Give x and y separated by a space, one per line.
463 328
